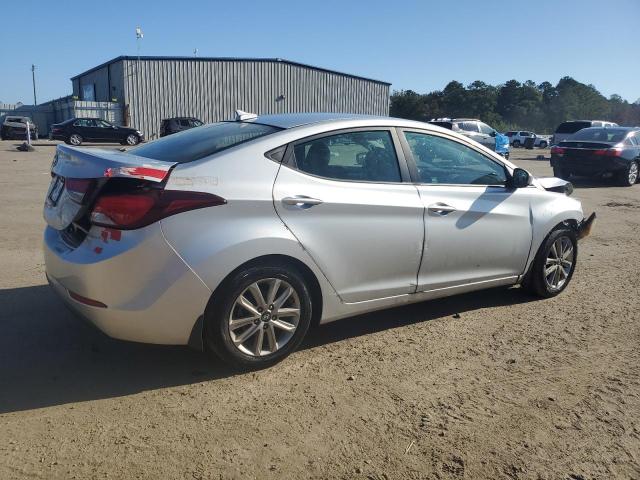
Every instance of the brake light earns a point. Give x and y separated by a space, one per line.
558 151
131 210
77 188
143 173
609 152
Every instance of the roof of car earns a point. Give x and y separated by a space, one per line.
629 129
291 120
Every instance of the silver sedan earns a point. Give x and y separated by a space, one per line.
238 236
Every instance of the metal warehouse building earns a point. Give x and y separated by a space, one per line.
149 89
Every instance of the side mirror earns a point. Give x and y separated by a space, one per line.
493 134
520 178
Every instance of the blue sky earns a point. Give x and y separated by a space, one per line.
418 45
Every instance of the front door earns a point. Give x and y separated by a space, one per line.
476 228
343 196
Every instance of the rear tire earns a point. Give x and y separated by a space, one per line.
516 144
259 333
74 139
554 264
629 176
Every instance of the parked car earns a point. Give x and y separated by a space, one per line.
77 130
476 130
178 124
517 139
566 129
612 152
15 128
238 236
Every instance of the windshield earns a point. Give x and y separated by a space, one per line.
572 127
613 135
201 142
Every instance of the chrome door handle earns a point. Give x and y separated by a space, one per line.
301 201
441 208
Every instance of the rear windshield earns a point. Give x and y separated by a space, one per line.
614 135
572 127
442 124
201 142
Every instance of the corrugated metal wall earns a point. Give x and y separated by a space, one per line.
213 89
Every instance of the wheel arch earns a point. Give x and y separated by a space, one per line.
275 260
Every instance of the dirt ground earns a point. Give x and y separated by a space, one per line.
486 385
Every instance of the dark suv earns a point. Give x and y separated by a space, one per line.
77 130
178 124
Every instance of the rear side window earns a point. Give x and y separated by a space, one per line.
356 156
572 127
197 143
469 126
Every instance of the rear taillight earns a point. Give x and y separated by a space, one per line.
77 188
609 152
131 210
56 130
558 151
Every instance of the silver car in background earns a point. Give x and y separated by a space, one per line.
238 236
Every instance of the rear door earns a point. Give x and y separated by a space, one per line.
347 198
476 228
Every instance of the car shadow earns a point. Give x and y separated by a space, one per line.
591 182
49 357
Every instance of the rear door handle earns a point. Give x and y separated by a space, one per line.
441 208
301 201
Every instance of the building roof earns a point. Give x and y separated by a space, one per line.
226 59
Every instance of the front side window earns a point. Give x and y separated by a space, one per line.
443 161
486 129
102 124
356 156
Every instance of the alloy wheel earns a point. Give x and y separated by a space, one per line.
264 317
75 139
559 263
633 173
132 139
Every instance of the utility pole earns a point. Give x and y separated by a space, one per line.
33 77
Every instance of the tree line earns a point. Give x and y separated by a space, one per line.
516 106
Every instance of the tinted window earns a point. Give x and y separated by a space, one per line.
600 135
356 156
443 124
572 127
102 124
197 143
83 122
444 161
469 126
183 122
195 122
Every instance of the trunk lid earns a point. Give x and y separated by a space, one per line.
78 175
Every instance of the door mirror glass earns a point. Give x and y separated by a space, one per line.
520 178
493 133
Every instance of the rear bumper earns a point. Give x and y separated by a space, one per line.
589 167
148 293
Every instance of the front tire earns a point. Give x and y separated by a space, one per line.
543 145
132 139
554 264
258 317
629 176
